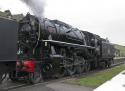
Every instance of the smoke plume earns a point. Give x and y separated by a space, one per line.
37 6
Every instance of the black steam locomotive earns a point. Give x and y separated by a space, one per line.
54 48
8 46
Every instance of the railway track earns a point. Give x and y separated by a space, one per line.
21 84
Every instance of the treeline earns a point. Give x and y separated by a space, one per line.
120 50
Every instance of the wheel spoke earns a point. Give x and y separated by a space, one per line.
71 70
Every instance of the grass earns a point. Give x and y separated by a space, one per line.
97 79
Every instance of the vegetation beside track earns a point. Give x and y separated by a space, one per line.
99 78
121 49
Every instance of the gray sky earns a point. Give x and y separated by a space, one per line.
103 17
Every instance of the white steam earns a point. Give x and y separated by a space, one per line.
37 6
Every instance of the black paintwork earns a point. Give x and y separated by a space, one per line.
52 29
45 29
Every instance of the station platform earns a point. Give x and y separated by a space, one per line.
115 84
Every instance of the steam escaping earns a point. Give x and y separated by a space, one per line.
37 6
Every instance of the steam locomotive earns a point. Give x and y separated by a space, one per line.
53 48
8 46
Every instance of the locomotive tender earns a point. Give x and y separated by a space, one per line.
54 48
8 46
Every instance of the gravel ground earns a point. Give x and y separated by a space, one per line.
58 86
53 86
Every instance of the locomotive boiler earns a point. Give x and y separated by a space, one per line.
54 48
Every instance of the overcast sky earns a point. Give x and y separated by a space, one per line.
103 17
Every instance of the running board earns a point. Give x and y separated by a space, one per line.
68 44
56 56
